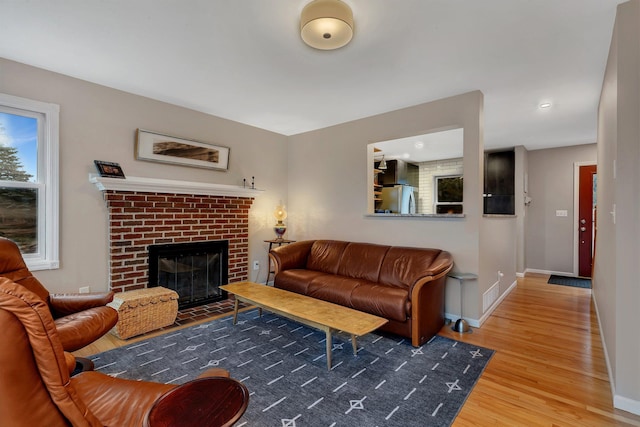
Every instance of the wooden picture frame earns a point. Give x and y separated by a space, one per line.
157 147
109 169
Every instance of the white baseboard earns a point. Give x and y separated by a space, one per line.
619 402
520 274
549 272
478 323
453 317
604 346
495 305
626 404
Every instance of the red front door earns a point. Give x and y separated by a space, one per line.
586 214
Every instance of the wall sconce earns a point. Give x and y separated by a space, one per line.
280 215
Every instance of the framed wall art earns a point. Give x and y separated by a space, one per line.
109 169
156 147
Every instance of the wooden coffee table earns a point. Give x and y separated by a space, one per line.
319 314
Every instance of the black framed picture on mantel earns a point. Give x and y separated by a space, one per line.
109 169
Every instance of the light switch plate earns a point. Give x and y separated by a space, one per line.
562 213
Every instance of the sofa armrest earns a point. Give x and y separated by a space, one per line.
293 255
65 304
427 307
70 361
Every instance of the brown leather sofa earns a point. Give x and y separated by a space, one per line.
404 285
36 389
80 318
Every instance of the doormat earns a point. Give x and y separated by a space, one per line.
283 365
576 282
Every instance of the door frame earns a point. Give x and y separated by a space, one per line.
576 213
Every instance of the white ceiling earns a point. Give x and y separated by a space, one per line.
423 148
244 60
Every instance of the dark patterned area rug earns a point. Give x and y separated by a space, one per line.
283 364
576 282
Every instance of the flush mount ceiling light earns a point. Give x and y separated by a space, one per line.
326 24
545 105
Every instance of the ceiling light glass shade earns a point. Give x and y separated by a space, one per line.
326 24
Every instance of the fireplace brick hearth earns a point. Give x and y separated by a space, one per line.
139 219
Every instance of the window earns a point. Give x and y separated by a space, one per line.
29 178
448 194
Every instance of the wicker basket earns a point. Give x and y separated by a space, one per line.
144 310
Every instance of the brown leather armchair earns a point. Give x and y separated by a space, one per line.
80 318
36 389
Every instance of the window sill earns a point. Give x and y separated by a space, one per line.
40 264
425 216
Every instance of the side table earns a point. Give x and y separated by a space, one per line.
212 401
461 325
272 242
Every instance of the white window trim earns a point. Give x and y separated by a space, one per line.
437 202
48 165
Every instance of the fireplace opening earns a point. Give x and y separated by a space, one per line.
194 270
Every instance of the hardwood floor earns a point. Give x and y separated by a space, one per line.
548 369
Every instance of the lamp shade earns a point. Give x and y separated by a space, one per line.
280 214
383 164
326 24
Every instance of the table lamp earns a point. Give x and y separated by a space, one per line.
280 228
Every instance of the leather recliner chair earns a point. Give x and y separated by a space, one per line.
36 389
80 318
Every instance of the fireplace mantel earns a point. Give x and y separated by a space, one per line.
155 185
150 211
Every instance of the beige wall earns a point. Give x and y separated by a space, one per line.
328 187
321 176
549 239
497 254
97 122
616 286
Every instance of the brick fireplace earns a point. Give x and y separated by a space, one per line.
144 212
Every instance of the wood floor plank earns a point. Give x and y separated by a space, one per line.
549 367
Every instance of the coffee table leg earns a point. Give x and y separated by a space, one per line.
355 345
329 346
235 310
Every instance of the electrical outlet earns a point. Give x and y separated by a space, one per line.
256 265
85 290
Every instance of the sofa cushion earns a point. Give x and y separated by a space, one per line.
361 295
325 255
384 301
296 280
362 261
402 267
333 288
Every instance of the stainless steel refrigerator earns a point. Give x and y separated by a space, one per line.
399 199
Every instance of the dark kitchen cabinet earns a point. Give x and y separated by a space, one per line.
499 182
399 172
